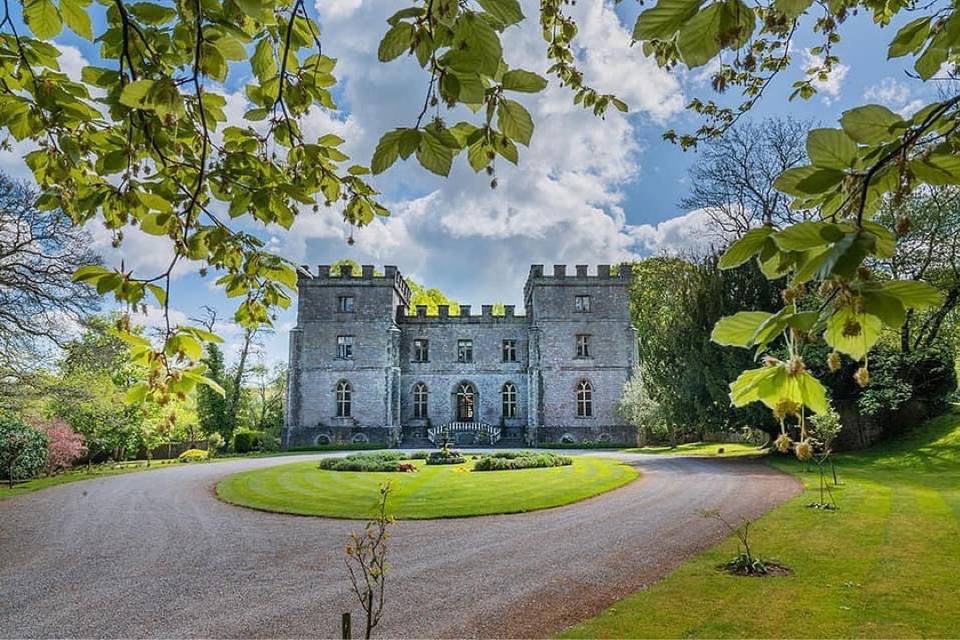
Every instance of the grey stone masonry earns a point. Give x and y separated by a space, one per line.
364 369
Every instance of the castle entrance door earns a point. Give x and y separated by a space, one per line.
466 396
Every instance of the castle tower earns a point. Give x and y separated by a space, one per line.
344 372
582 351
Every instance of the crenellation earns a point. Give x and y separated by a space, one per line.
581 271
559 271
421 311
464 311
323 271
367 271
486 310
603 271
443 310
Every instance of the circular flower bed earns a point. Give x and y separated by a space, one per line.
508 460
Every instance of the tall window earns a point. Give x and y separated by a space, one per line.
464 350
345 304
509 394
584 399
509 350
345 347
583 345
344 393
419 400
421 350
582 304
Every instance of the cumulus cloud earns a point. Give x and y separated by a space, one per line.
562 204
894 94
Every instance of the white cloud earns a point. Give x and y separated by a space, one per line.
830 88
894 94
563 202
690 233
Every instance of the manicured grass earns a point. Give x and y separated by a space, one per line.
887 564
705 450
434 491
78 474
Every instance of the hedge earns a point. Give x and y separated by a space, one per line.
508 461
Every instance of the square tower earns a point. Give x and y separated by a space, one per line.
344 374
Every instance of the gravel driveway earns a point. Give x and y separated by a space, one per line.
155 554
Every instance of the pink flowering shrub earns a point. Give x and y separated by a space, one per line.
65 447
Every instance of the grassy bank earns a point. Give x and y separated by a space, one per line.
434 491
887 564
705 450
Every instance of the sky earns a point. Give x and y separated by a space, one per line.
586 191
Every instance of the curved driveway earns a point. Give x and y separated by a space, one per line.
155 554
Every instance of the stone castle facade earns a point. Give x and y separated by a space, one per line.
363 369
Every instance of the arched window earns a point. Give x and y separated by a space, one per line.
419 400
465 402
584 399
509 395
344 393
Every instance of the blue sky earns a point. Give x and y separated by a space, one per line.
587 191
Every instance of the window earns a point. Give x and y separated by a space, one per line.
421 350
343 399
583 345
509 395
345 304
419 400
509 350
345 347
584 399
582 304
464 350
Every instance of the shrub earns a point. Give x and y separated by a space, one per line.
193 455
247 441
418 455
445 456
65 446
385 461
507 461
214 443
23 450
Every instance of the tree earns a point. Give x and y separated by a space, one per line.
23 450
430 298
732 178
642 411
674 303
65 446
211 406
92 387
39 252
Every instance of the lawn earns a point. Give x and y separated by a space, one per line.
887 564
78 474
705 450
434 491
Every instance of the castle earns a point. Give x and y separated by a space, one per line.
364 369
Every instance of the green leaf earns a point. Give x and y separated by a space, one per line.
886 243
262 62
254 8
871 124
75 15
886 307
433 154
748 385
664 19
507 12
43 18
939 169
806 235
792 8
137 393
811 393
909 37
89 273
738 330
159 293
134 94
386 152
395 42
851 332
151 13
914 294
930 62
699 39
514 121
744 248
482 43
803 321
520 80
831 149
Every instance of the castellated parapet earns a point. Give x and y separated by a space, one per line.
364 367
